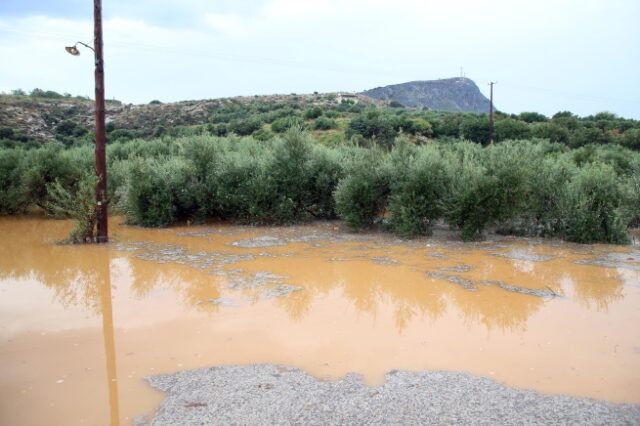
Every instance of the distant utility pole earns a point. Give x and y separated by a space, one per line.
491 112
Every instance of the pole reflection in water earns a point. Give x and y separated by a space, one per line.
106 308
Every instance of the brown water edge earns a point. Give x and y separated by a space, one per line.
80 326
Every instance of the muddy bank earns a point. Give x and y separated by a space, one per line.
278 395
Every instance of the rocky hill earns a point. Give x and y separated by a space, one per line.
50 116
42 120
451 94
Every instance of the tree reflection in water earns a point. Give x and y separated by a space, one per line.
351 270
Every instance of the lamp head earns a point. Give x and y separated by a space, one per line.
73 50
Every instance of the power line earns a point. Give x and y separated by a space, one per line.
558 92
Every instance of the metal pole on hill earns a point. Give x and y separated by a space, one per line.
491 112
101 161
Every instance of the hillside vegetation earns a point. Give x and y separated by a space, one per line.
41 117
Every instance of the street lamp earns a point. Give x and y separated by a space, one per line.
73 50
101 163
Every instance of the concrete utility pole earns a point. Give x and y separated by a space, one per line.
491 112
101 159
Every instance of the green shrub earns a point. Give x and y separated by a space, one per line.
326 169
471 203
547 202
78 203
50 163
203 153
292 182
288 170
69 128
232 186
312 113
421 127
532 117
246 127
331 113
417 194
488 187
585 136
614 155
156 148
117 175
510 129
511 163
374 125
160 192
631 201
264 182
475 128
12 169
122 135
50 94
631 139
263 135
447 125
324 123
283 124
551 131
218 129
594 214
362 195
6 132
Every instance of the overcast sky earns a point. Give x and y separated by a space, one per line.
546 55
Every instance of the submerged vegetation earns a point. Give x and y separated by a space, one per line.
77 203
526 187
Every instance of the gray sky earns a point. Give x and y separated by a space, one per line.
547 56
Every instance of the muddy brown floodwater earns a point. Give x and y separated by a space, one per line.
81 326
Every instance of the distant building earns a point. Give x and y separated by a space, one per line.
352 97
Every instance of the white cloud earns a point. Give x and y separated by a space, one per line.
230 24
295 10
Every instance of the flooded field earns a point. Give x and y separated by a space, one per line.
81 326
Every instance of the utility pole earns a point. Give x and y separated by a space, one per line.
491 112
101 161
